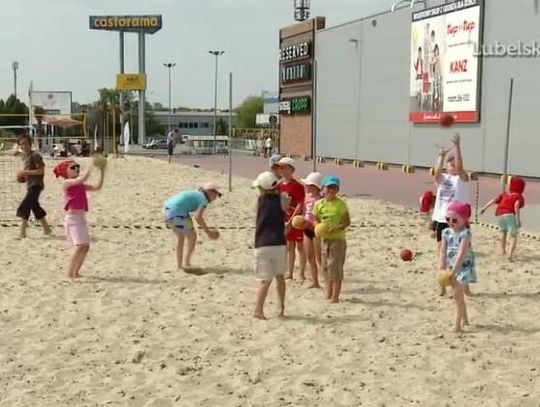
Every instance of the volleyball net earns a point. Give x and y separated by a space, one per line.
53 135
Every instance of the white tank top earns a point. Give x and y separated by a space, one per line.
451 188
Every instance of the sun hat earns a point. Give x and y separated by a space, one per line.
313 178
212 186
61 169
274 160
460 208
287 161
517 185
266 180
331 180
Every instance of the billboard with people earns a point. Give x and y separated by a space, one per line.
444 64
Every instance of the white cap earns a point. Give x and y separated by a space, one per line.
266 180
212 186
287 161
314 178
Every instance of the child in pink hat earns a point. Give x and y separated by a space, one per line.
457 256
312 245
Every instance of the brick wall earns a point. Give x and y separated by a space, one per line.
295 129
296 134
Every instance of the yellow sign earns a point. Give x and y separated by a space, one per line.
148 24
131 81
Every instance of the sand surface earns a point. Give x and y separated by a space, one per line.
136 332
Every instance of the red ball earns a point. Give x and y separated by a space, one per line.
21 178
406 255
446 120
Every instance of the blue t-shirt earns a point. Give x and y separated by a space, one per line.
186 202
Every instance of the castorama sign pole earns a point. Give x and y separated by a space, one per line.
148 24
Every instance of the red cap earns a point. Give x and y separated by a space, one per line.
61 169
517 185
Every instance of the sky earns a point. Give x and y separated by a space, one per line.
56 50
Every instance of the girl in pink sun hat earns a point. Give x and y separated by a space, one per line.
457 257
312 245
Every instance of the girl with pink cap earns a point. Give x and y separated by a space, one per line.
312 245
457 256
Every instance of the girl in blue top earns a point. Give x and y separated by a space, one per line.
457 256
177 211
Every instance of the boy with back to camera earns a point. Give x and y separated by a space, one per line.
270 243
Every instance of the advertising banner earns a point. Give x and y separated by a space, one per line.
148 24
445 74
52 102
131 81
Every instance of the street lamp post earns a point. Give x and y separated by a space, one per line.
169 66
15 66
216 54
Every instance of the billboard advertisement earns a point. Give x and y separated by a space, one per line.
270 101
445 68
131 81
52 102
148 24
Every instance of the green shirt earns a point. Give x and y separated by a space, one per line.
332 213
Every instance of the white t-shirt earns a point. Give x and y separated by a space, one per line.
268 143
451 188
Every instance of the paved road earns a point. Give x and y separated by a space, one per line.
370 183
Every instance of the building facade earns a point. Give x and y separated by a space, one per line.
193 123
296 56
363 91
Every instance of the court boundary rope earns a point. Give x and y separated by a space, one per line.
363 225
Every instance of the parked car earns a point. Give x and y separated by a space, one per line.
155 144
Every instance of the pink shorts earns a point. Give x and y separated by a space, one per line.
76 229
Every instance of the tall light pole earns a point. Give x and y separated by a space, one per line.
15 66
169 66
216 54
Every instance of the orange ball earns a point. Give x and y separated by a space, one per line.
21 178
446 120
406 255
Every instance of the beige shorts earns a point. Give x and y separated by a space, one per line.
333 258
270 262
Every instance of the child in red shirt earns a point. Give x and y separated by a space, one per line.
295 237
508 209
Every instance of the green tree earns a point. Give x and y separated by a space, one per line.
247 111
159 107
13 106
222 128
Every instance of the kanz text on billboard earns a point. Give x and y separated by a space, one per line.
444 75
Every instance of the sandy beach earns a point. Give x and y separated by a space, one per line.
136 332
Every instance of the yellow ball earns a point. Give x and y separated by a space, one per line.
321 230
100 162
298 222
444 278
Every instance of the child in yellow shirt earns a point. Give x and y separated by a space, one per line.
334 212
